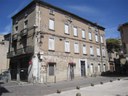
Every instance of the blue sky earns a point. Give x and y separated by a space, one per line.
107 13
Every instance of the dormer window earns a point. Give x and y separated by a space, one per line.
52 11
26 14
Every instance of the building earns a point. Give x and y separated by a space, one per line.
124 58
124 32
50 44
4 46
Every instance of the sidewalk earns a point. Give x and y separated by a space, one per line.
115 88
30 89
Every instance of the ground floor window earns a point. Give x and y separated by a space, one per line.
51 68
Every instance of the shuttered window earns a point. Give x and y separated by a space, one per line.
91 50
51 24
67 46
90 36
83 34
76 47
75 31
51 44
98 52
96 37
84 49
101 38
66 28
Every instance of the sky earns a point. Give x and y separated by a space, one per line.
107 13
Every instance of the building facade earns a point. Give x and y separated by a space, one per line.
50 44
124 32
4 45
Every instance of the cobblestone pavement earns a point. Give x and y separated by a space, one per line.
115 88
29 89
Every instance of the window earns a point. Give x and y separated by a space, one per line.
25 24
16 29
75 31
91 50
51 24
91 68
66 29
96 37
83 34
103 52
90 36
51 44
99 68
76 47
98 52
104 68
51 12
67 46
51 69
101 38
84 49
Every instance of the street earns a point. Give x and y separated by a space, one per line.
29 89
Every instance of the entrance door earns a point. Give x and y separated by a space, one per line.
82 68
71 72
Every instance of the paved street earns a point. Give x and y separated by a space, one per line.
26 89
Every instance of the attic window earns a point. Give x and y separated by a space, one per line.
26 14
51 11
16 22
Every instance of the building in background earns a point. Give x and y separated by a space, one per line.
4 46
49 44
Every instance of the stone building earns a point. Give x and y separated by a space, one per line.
124 33
4 45
50 44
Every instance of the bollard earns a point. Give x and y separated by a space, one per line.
78 94
78 87
92 84
101 82
58 91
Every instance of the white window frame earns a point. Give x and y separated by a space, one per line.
66 29
51 44
96 38
51 24
75 31
67 46
76 47
90 35
83 34
101 38
103 52
84 49
91 50
98 51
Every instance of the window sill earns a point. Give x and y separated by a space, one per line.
51 29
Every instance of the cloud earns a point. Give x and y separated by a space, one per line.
84 9
7 29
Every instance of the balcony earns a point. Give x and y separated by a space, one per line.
15 36
25 50
24 32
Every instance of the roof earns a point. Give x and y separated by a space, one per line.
57 8
122 25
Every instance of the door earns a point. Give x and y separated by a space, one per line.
82 68
71 72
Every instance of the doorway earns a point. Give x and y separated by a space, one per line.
83 72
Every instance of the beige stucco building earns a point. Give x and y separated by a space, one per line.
4 45
50 44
